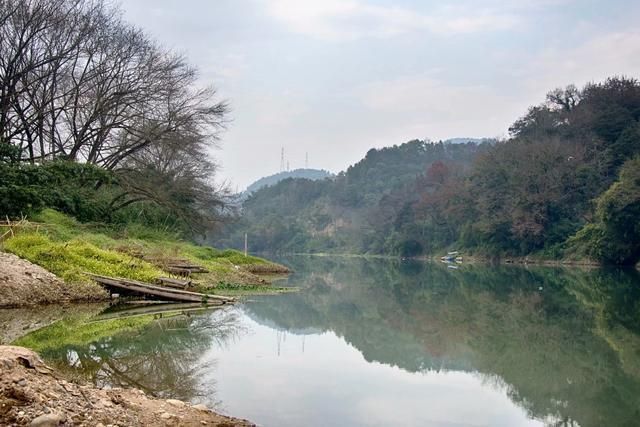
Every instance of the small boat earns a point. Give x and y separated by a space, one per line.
448 258
452 256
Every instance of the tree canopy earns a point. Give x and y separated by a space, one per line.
79 84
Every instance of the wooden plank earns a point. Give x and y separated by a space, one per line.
159 288
181 271
190 267
174 283
170 293
165 293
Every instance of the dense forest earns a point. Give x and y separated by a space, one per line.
566 183
96 118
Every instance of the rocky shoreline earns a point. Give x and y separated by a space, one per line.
33 394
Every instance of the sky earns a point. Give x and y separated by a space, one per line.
335 78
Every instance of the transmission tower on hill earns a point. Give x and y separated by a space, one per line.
282 160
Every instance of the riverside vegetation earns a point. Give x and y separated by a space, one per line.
104 142
100 122
72 251
564 185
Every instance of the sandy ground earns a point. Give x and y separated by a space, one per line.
23 283
31 393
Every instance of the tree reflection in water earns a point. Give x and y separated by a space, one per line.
163 359
564 344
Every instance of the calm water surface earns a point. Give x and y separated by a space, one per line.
380 343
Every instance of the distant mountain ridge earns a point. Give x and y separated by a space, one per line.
317 174
312 174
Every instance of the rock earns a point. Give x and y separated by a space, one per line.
166 416
47 420
201 407
174 402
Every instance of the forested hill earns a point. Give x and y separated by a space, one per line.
312 174
565 184
343 213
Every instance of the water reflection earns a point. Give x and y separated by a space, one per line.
369 342
163 358
564 342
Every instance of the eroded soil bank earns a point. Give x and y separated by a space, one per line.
23 283
31 393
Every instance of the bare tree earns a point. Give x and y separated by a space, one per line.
79 83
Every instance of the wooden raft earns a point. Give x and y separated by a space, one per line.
170 294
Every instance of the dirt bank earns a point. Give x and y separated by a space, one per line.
32 394
23 283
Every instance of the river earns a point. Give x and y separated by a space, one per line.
380 342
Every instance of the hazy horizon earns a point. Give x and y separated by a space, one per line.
336 78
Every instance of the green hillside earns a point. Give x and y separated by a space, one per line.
564 184
346 213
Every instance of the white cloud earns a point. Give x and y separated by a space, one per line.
424 106
338 20
278 112
599 57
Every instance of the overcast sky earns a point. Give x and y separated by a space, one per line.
336 78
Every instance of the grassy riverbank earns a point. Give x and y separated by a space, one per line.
70 249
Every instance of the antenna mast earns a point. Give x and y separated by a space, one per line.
282 160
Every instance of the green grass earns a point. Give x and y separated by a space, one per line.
70 249
71 260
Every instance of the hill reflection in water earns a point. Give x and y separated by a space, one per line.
378 342
564 343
